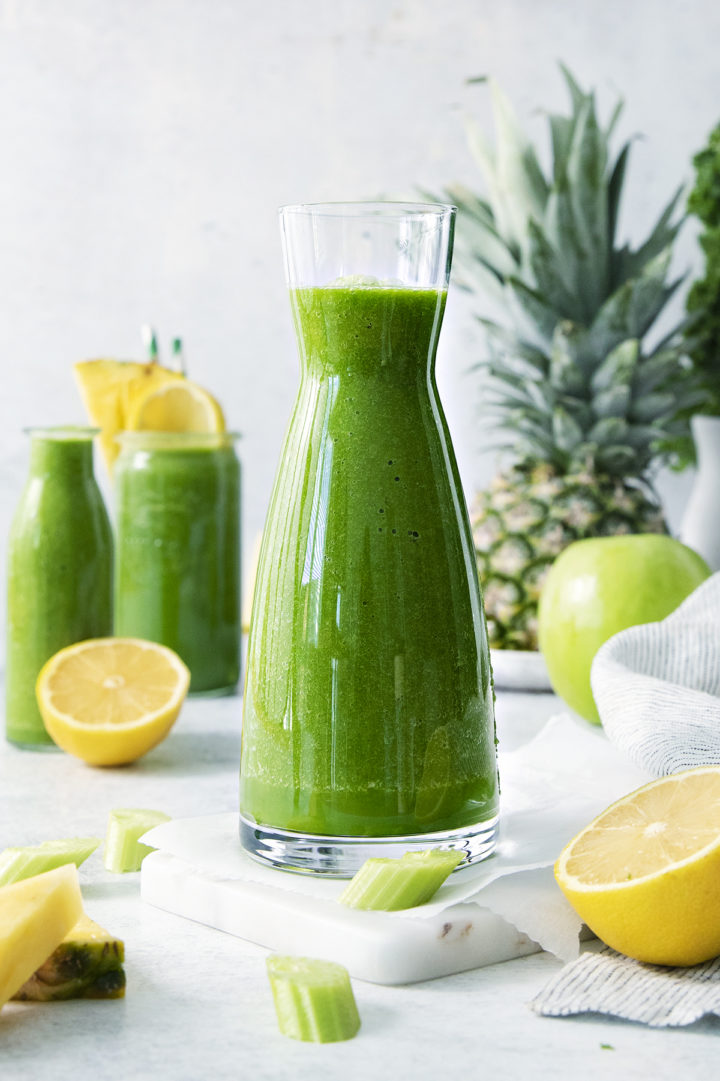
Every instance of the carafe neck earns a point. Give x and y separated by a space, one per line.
383 331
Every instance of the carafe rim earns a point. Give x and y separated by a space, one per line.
388 209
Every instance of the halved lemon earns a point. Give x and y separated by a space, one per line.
180 406
109 700
645 874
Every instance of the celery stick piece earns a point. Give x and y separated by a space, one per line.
388 885
123 850
439 858
29 860
314 999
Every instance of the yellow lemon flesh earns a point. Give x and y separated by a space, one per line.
176 407
645 874
109 700
110 390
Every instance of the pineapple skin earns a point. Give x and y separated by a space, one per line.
88 963
522 522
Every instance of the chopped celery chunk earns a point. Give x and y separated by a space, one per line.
314 999
25 862
438 858
123 850
388 885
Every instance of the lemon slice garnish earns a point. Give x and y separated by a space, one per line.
176 407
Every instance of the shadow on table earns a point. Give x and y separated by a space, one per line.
192 753
120 887
377 1018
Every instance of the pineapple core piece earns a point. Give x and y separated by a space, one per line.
35 915
86 964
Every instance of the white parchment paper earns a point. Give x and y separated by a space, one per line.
550 788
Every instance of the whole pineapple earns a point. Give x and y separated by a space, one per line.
585 403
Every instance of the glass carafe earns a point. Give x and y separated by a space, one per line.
368 722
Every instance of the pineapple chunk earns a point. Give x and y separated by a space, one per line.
86 964
110 390
35 915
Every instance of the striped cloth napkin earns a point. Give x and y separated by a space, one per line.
608 983
657 686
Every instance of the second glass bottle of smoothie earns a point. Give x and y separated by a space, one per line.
177 577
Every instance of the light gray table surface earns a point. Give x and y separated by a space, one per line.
198 1005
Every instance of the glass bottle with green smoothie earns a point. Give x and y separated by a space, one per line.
59 570
177 575
368 723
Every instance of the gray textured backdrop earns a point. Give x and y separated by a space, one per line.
147 144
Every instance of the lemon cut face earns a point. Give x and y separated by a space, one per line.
645 874
110 700
177 407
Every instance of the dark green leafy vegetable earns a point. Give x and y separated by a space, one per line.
703 302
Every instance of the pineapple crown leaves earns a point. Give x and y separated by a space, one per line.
555 235
616 428
571 376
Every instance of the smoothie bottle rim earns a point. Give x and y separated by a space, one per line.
152 439
60 433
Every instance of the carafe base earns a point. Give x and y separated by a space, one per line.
341 857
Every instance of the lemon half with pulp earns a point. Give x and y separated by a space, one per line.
109 700
645 874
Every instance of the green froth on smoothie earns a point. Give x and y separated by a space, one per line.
368 687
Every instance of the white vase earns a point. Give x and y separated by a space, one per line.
701 523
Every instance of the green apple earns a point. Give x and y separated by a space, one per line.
600 586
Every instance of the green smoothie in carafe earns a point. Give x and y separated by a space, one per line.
368 698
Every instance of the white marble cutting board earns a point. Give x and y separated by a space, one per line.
373 946
552 787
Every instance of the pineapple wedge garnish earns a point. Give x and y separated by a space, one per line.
110 390
88 963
